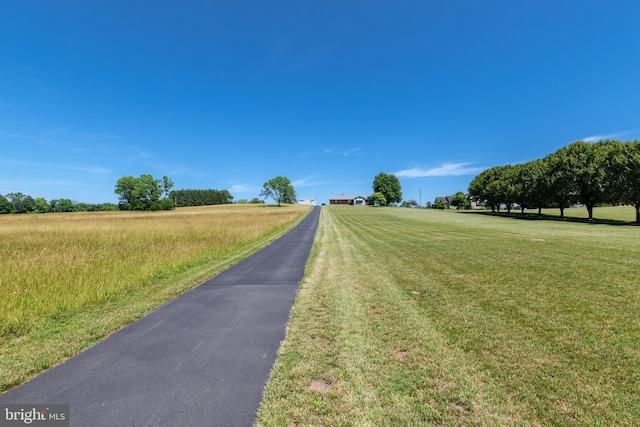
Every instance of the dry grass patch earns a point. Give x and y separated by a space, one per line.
66 280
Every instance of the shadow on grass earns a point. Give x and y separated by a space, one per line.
544 217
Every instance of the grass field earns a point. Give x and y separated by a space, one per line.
419 317
67 280
620 215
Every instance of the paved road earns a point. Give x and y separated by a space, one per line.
200 360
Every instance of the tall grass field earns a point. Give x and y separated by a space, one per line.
412 317
68 279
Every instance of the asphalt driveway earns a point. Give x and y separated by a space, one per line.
200 360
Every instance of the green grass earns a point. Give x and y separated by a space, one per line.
68 280
421 317
618 215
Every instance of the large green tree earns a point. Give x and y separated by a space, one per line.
587 161
138 193
624 174
279 189
504 185
531 185
389 186
485 188
562 189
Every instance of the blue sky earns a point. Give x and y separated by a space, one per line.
228 95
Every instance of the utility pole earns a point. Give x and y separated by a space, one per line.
420 191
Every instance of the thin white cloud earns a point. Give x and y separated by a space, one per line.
59 183
98 170
596 138
20 136
137 153
56 131
308 182
345 153
446 169
241 188
354 151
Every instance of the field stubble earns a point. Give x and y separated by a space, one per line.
413 317
67 279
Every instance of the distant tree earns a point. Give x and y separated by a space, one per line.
126 189
562 190
587 161
377 199
40 205
5 205
625 174
167 204
106 207
20 203
256 200
389 186
61 205
167 185
279 189
460 201
577 174
533 188
188 197
484 188
440 205
224 197
138 193
504 185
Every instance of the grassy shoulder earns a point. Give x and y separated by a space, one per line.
121 266
420 317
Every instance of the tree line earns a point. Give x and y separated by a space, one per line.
19 203
592 174
183 198
149 193
142 193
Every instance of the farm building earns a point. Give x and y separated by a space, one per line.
446 200
349 200
307 201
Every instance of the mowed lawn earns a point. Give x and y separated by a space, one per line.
67 280
413 317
